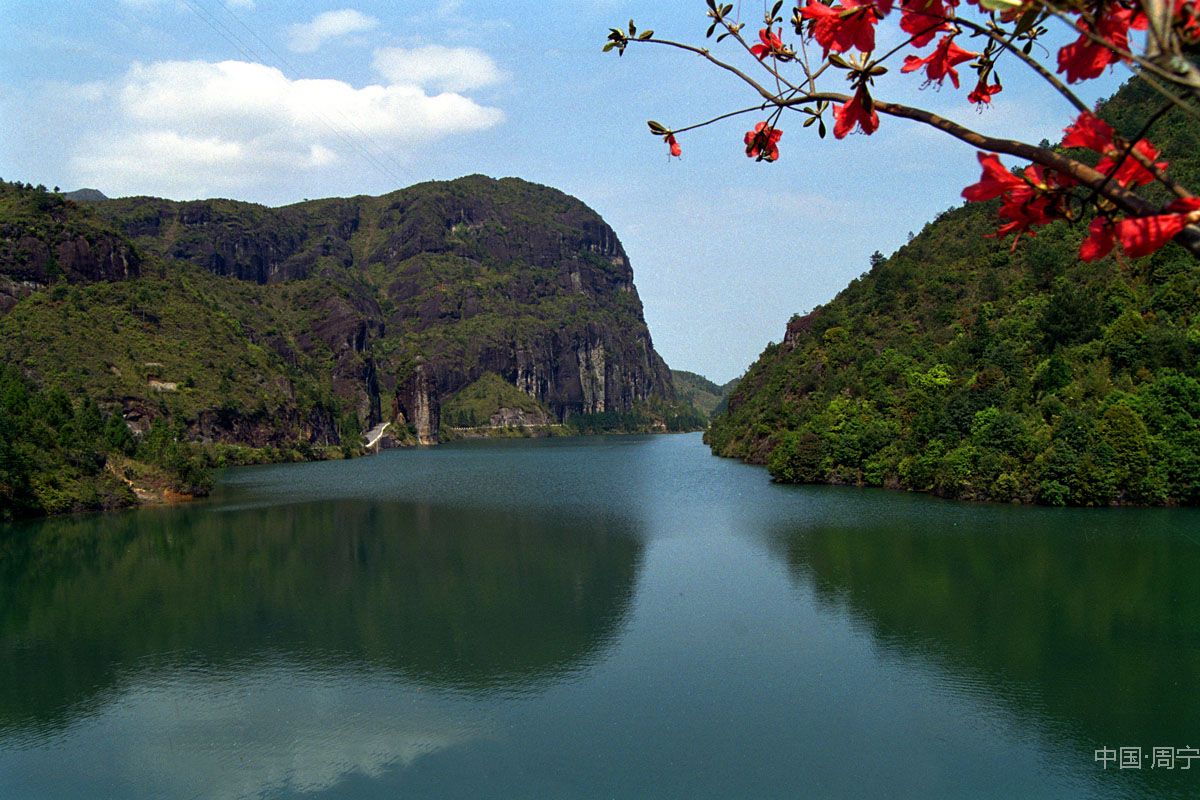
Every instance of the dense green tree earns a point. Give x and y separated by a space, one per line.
991 373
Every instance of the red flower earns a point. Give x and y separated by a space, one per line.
1089 131
858 112
676 150
996 180
941 62
1131 171
1187 18
771 44
1141 236
840 28
1099 242
1084 59
1029 199
922 19
982 93
1046 180
1024 210
1095 134
763 142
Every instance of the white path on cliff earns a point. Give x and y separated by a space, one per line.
373 436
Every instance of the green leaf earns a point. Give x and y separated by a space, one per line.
1027 21
646 35
821 129
609 46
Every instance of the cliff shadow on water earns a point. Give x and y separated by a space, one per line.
474 602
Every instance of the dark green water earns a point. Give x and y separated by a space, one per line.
608 617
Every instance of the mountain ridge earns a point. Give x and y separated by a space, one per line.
293 329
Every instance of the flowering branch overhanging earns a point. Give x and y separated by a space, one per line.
940 38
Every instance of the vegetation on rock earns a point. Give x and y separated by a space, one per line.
58 455
705 396
268 333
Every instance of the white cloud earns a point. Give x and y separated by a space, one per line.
265 731
190 128
452 69
309 36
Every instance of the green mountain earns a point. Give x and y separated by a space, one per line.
292 330
701 393
959 367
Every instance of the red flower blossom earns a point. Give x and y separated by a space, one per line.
996 180
1046 179
855 113
922 19
1100 240
842 27
1033 203
941 62
1029 199
1187 19
1089 131
676 150
1141 236
1024 210
1095 134
771 44
763 142
1084 59
982 93
1131 171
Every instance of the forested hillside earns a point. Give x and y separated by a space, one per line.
705 396
963 367
279 333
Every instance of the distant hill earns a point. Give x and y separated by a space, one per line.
961 367
700 392
289 330
85 195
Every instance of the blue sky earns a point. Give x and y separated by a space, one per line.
275 102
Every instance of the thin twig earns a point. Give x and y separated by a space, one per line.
1030 62
739 112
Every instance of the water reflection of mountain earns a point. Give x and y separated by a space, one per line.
450 599
1088 627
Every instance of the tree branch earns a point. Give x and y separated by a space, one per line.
704 53
1028 60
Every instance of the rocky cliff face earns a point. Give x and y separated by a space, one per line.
400 301
46 238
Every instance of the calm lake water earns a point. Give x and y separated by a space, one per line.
585 618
